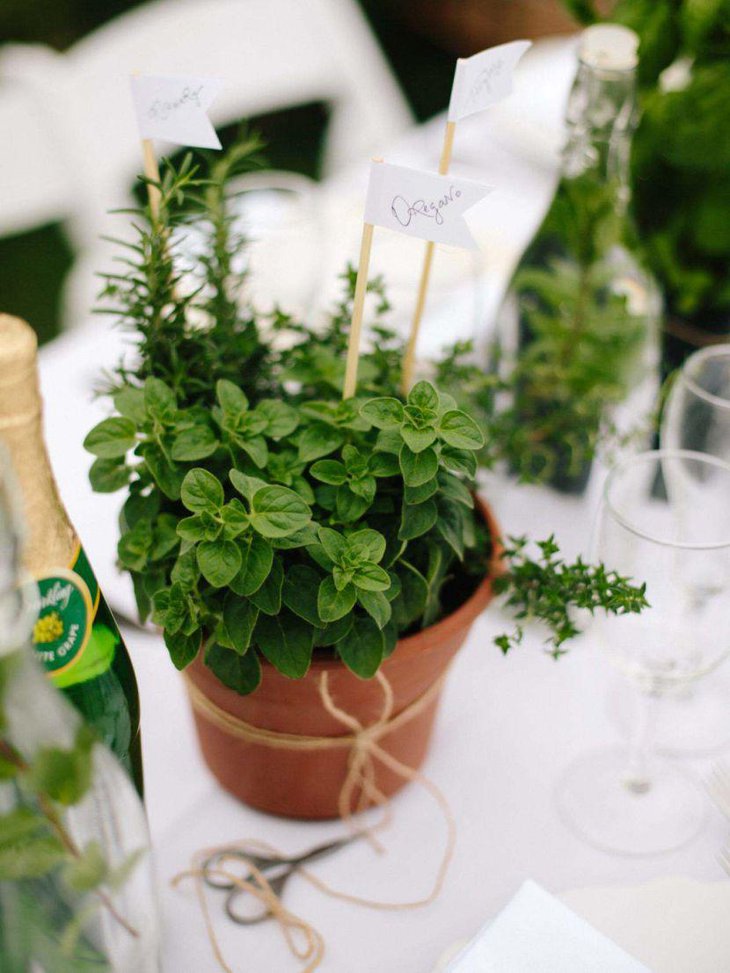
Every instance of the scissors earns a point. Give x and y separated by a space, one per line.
277 870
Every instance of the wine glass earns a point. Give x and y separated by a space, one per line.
696 720
664 521
697 414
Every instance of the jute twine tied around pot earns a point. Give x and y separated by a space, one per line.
365 749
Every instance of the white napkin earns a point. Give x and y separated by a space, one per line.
535 932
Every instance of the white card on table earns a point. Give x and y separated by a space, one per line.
484 79
535 932
175 108
422 204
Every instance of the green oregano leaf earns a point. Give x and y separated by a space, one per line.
230 397
460 431
424 396
277 511
376 605
383 413
286 640
317 440
333 604
219 561
367 544
417 519
362 648
111 438
268 596
168 477
159 399
281 419
246 485
417 468
257 557
300 592
417 439
241 673
201 491
371 577
329 471
108 475
182 648
195 443
450 525
129 402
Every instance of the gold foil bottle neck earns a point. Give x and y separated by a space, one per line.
50 538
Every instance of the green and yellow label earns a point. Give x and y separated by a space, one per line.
63 627
69 643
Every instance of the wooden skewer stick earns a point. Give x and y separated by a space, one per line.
353 348
409 360
151 171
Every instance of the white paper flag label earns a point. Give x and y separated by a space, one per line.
422 204
175 108
484 79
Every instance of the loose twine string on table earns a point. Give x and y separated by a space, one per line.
365 749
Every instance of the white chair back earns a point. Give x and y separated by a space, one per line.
77 151
271 54
37 179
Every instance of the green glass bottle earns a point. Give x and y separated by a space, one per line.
75 634
578 325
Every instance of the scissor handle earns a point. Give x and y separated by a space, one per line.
321 851
214 881
260 914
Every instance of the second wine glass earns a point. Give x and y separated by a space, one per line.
664 521
695 720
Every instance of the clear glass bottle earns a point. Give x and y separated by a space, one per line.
76 885
578 326
75 634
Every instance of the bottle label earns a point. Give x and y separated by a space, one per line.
62 630
65 634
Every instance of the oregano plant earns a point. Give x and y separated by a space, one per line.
357 550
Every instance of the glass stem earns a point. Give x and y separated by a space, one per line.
637 777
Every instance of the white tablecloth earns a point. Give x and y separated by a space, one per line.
506 728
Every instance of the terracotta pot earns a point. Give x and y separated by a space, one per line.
304 783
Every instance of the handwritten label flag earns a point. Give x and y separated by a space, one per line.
175 108
484 79
422 204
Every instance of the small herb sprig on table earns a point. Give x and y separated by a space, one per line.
546 590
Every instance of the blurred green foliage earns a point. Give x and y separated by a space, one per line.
681 151
32 267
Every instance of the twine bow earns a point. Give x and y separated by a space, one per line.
365 749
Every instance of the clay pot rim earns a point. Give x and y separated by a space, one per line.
463 616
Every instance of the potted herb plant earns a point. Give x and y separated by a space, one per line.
278 533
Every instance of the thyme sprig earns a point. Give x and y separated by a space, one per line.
548 589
